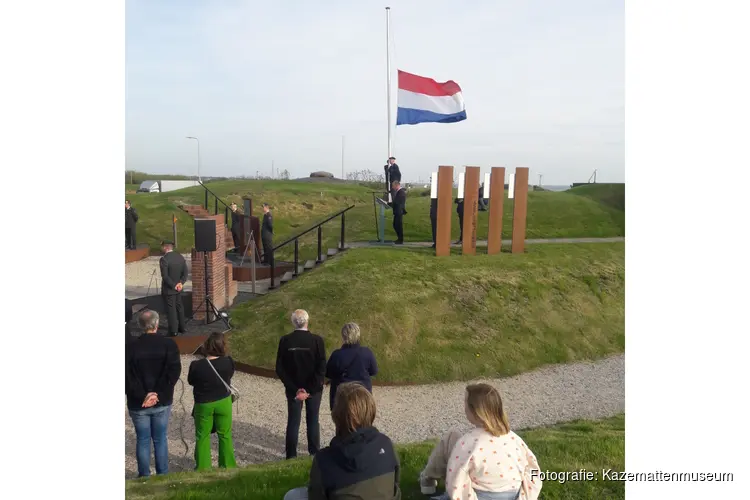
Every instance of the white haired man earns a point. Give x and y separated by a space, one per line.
301 366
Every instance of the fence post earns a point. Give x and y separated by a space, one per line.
205 198
343 225
216 206
174 230
296 257
320 251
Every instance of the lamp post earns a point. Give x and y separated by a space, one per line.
199 156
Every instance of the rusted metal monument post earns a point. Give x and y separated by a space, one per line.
497 198
444 210
520 198
471 199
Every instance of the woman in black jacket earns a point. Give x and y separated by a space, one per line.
213 402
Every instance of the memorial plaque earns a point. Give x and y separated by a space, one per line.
521 193
471 200
496 194
444 211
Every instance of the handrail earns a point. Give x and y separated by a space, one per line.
295 239
215 195
289 240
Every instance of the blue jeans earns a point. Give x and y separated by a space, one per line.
151 424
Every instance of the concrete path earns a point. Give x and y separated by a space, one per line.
559 393
483 243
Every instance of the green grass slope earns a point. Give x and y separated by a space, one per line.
429 319
297 205
590 445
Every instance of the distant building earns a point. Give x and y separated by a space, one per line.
149 187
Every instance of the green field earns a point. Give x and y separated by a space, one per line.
429 319
298 205
590 445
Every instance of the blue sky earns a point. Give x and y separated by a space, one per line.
257 82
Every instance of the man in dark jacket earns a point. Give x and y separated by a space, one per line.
301 367
482 200
131 217
392 174
460 211
266 235
236 227
433 220
174 274
152 368
399 210
360 462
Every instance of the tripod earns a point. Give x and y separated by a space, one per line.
209 305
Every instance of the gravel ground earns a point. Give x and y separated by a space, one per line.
141 273
553 394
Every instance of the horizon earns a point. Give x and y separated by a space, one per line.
543 86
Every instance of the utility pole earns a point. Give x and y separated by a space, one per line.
342 157
272 172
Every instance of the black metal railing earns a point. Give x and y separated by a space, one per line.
295 239
216 203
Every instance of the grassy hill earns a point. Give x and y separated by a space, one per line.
297 205
431 320
590 445
609 195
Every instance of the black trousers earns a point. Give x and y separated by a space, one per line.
267 242
312 413
461 227
175 312
130 237
398 226
236 237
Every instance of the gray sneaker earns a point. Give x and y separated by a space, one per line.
427 484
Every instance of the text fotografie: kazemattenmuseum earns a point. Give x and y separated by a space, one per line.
613 475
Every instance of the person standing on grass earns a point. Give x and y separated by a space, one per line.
360 462
352 363
301 367
213 403
266 235
490 462
152 368
174 273
131 218
460 211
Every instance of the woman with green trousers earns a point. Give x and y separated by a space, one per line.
213 402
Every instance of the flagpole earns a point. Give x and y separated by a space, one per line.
388 70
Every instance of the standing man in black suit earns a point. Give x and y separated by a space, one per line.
174 273
460 211
131 217
236 226
433 220
266 235
399 210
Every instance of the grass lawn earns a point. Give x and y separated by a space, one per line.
590 445
297 205
458 318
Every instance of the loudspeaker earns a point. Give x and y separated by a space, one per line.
205 235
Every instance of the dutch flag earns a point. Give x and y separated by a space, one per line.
423 100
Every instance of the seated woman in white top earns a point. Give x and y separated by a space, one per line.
490 462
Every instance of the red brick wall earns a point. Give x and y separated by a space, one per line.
220 285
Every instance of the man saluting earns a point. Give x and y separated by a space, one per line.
174 273
392 174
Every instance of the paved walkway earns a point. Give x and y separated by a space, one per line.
560 393
483 243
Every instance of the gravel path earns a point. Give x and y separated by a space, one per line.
143 273
553 394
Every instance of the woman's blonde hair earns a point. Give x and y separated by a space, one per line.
486 406
353 408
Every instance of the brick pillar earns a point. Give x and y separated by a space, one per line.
216 273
